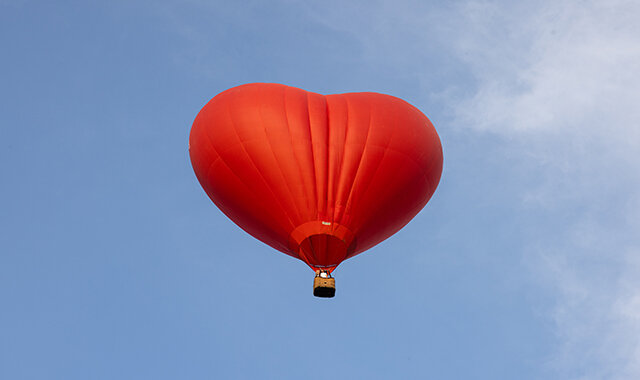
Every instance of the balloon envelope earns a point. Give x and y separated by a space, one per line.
320 178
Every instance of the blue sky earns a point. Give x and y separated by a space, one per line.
524 265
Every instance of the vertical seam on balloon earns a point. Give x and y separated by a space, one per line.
284 178
342 159
373 176
327 174
329 151
233 125
293 150
313 157
355 177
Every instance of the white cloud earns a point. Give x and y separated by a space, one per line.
563 65
560 81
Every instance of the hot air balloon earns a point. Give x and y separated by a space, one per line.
319 178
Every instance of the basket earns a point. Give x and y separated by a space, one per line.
324 287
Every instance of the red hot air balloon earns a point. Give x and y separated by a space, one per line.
320 178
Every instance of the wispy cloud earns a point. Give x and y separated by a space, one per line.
563 65
560 82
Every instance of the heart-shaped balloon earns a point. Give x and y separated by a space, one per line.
320 178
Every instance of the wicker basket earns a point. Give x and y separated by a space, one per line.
324 287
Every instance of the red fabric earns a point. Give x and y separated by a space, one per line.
320 178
